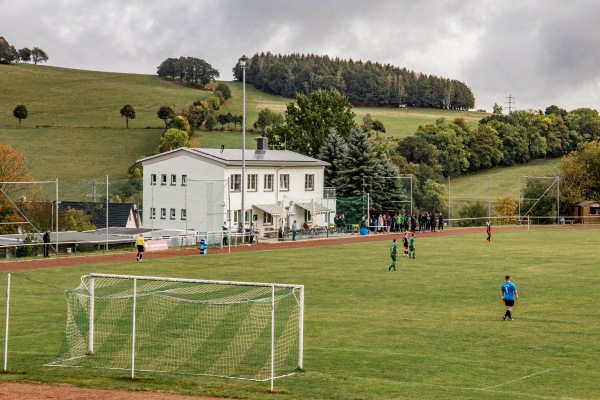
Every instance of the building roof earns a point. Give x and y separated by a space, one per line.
588 203
118 213
319 209
233 157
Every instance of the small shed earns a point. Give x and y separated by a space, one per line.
587 212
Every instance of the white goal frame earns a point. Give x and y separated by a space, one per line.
273 286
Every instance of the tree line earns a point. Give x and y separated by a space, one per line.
453 148
9 54
363 83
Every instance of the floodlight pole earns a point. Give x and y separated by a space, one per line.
56 248
7 318
106 246
519 215
448 199
243 64
558 199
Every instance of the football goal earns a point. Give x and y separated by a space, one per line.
241 330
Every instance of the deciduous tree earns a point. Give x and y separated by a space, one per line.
586 122
7 52
20 112
580 176
194 71
309 120
25 54
174 139
434 196
165 113
75 220
224 89
129 113
13 168
38 55
267 119
505 208
181 122
452 151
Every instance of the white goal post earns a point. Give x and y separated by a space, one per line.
242 330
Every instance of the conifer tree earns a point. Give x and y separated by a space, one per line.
364 169
335 146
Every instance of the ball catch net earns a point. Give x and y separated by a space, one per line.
228 329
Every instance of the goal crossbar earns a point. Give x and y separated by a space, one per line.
216 282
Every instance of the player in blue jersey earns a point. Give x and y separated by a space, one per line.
509 295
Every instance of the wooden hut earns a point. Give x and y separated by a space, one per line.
587 212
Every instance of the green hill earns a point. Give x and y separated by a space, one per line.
496 183
74 130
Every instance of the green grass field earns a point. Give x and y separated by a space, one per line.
432 330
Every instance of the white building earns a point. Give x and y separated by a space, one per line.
198 189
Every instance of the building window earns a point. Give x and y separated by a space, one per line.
183 180
153 179
183 213
268 219
268 182
163 213
307 216
284 182
172 213
309 182
235 184
163 179
252 179
173 179
152 213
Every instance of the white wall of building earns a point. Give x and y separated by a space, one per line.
208 195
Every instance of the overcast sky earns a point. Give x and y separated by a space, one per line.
541 52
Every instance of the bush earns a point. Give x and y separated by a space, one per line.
27 251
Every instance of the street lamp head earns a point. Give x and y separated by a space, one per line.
243 61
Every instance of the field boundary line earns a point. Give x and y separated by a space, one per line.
518 379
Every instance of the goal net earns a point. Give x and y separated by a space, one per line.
239 330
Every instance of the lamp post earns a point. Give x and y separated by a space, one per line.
243 65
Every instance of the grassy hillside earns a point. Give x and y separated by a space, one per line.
499 182
74 130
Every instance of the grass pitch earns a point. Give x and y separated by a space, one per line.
431 330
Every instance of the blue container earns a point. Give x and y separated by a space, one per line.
364 231
203 246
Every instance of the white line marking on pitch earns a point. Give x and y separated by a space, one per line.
518 379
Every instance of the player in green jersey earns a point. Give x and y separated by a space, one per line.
411 247
394 255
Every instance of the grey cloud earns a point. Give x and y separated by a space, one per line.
542 52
